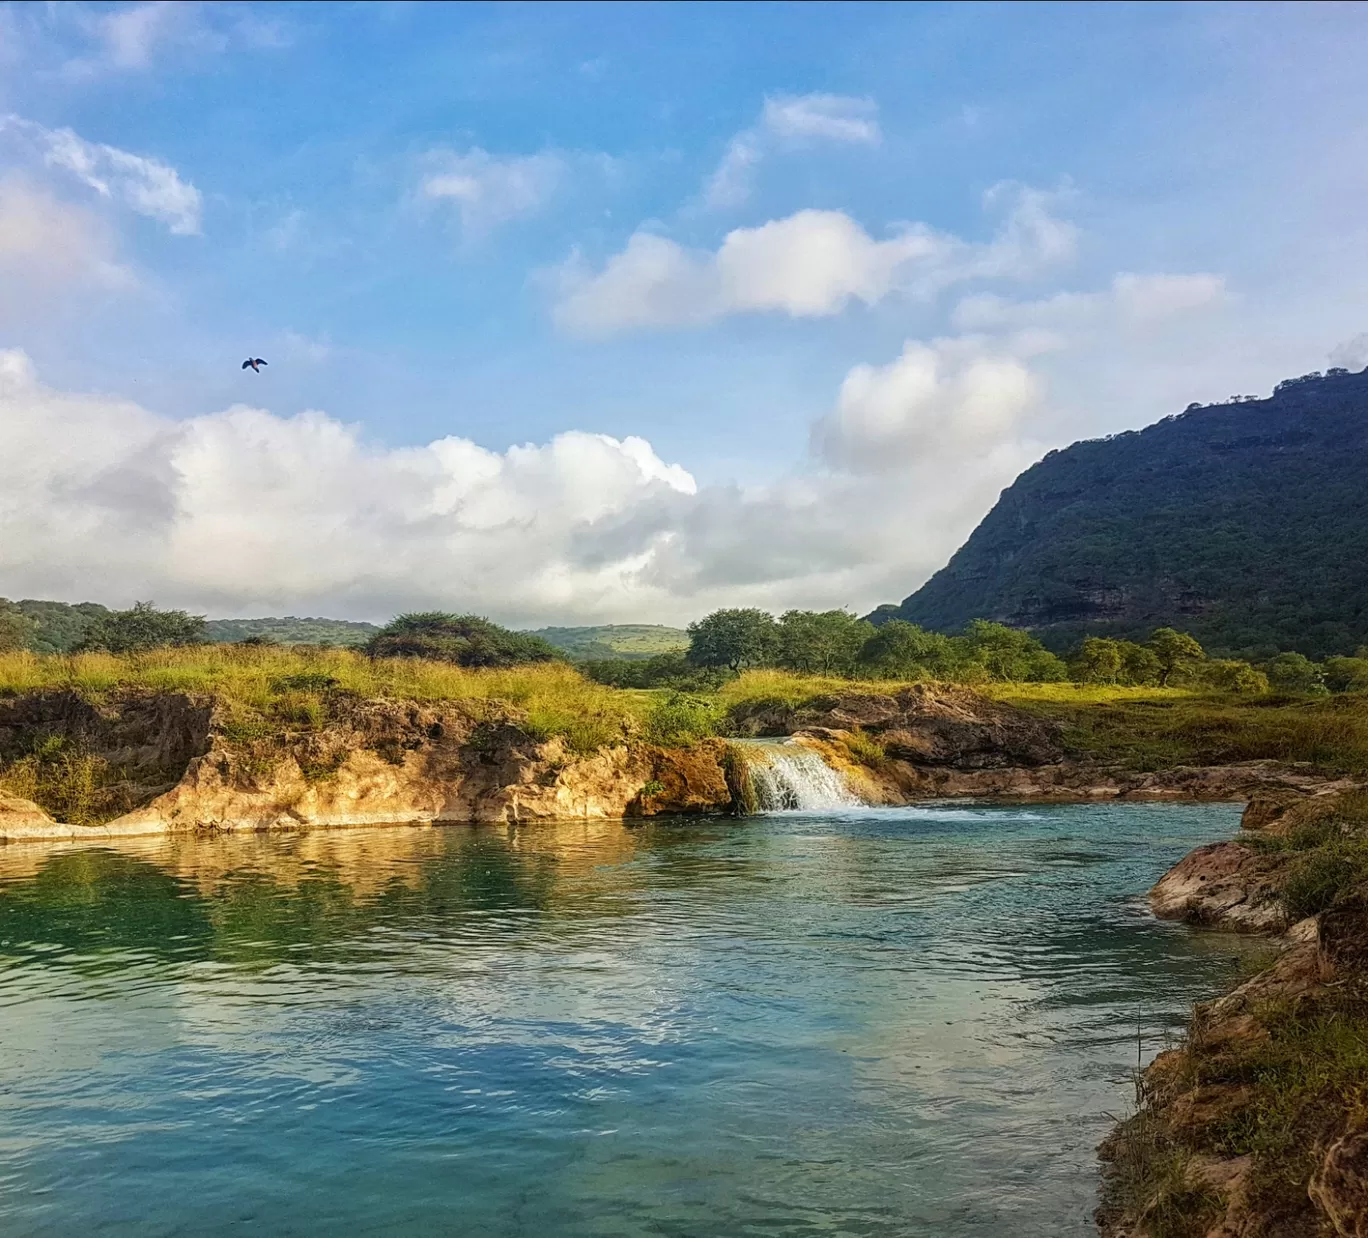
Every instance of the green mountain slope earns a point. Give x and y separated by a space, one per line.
1244 523
616 640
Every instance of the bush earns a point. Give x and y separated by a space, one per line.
466 640
142 628
683 719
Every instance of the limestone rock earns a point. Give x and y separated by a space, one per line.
1224 885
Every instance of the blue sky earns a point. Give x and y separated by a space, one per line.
583 313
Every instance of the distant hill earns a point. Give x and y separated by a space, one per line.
60 626
616 640
291 631
1245 523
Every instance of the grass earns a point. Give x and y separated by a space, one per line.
1295 1079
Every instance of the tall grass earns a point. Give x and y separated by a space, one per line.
289 684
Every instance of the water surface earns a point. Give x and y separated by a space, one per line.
894 1022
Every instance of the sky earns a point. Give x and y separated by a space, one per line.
622 313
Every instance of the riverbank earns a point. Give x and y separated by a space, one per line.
228 737
1257 1122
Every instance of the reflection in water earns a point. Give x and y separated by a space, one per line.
896 1022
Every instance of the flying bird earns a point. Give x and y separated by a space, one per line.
255 362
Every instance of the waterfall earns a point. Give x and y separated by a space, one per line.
789 777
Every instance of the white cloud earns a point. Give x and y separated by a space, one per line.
247 510
950 397
132 36
139 182
790 121
810 264
488 189
1352 354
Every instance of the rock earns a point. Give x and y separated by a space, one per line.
1223 885
1266 807
20 815
936 725
1339 1187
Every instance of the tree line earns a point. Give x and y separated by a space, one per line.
830 643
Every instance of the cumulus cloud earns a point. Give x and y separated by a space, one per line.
810 264
790 121
139 182
244 509
488 190
947 398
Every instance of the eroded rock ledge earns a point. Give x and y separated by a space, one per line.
175 761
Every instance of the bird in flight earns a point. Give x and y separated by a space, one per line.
255 363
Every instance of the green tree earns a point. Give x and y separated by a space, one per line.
1347 674
1139 666
1099 661
902 650
1228 675
736 639
1296 673
1011 655
1177 653
828 641
16 628
467 640
142 627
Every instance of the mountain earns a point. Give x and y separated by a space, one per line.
1244 523
616 640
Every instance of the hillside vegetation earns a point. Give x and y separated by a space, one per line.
1243 523
615 640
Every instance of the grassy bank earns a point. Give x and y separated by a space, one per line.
1144 728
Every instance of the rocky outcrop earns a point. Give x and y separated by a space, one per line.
196 766
925 725
1224 885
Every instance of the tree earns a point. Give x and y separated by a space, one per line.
1139 666
1296 673
141 628
827 641
1234 676
735 639
1347 674
1011 655
467 640
16 628
1176 651
902 650
1099 660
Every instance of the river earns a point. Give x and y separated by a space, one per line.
895 1022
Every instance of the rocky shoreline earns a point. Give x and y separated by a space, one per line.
170 762
1256 1124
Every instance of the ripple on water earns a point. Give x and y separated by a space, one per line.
909 1022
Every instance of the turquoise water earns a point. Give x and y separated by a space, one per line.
896 1022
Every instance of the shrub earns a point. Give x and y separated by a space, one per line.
466 640
683 719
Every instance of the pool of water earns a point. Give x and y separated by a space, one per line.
895 1022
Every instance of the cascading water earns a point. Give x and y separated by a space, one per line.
788 777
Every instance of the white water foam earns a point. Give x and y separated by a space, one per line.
791 778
